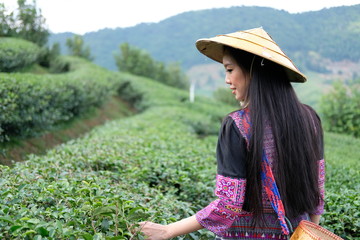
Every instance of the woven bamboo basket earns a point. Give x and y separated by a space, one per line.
310 231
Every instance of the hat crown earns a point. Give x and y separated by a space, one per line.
260 32
258 36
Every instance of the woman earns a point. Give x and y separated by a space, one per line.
269 153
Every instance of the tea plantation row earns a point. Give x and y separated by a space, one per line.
17 53
33 103
158 165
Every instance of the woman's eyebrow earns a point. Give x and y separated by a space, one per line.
228 64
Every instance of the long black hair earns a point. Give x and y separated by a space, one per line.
297 135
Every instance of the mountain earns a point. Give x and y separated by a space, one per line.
323 44
333 33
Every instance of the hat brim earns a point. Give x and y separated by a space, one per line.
261 46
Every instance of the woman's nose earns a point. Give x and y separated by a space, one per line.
227 80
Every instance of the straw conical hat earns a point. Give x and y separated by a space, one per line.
256 41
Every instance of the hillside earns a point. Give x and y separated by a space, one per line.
157 165
323 44
333 33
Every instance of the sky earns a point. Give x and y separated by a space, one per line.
82 16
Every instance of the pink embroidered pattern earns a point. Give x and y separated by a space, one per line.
242 121
241 235
225 188
231 189
221 213
320 209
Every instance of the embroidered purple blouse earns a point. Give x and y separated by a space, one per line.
220 214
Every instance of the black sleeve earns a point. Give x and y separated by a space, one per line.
231 151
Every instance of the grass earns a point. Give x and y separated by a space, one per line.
34 69
342 150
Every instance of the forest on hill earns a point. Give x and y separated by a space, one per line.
332 33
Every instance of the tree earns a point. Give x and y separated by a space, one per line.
26 23
139 62
6 22
224 95
77 47
135 61
175 76
32 23
340 108
50 58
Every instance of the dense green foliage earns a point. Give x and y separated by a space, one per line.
332 33
341 108
224 95
99 186
76 46
34 103
158 165
50 58
139 62
342 208
16 54
26 22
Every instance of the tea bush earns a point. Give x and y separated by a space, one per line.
342 208
143 167
34 103
17 53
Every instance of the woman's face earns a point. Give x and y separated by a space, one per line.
235 77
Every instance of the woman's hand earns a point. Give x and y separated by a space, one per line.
154 231
315 218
